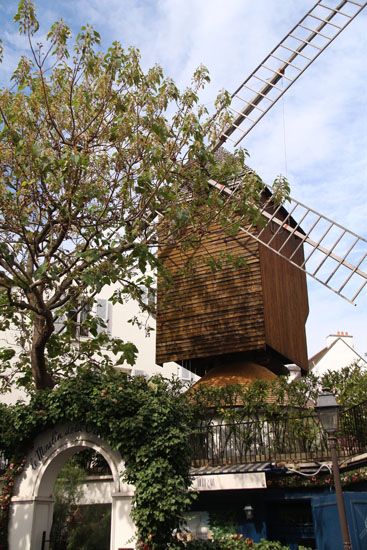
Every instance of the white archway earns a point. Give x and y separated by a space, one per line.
32 502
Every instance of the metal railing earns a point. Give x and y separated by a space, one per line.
353 429
282 438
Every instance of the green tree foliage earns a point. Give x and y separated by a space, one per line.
349 384
94 153
75 526
224 539
278 397
260 399
91 530
67 491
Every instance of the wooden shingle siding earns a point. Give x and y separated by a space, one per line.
260 307
285 300
205 312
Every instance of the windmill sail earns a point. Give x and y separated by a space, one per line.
333 255
285 64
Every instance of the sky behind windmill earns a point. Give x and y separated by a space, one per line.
316 136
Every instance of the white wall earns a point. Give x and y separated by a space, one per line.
97 490
8 339
294 372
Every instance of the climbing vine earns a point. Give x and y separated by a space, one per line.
12 471
147 421
258 400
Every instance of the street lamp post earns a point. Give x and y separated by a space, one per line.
328 412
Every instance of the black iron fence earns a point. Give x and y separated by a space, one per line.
281 438
284 437
353 430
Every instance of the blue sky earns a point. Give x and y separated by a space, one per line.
320 142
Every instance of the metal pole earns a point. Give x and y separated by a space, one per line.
347 545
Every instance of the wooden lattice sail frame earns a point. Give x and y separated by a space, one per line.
317 29
334 256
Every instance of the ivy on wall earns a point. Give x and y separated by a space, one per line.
12 471
147 421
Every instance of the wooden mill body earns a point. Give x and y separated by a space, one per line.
257 311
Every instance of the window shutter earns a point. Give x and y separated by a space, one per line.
102 312
109 317
59 324
186 375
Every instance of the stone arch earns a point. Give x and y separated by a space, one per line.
32 501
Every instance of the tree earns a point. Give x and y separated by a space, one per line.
349 384
94 154
67 491
85 527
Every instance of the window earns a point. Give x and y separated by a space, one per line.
75 319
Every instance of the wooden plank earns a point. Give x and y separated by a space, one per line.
243 278
194 302
206 312
285 302
196 317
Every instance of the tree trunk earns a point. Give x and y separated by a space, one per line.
42 329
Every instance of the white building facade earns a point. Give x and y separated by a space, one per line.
125 321
338 353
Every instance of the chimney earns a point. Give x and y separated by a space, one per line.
343 335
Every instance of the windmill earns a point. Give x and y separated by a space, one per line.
262 323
